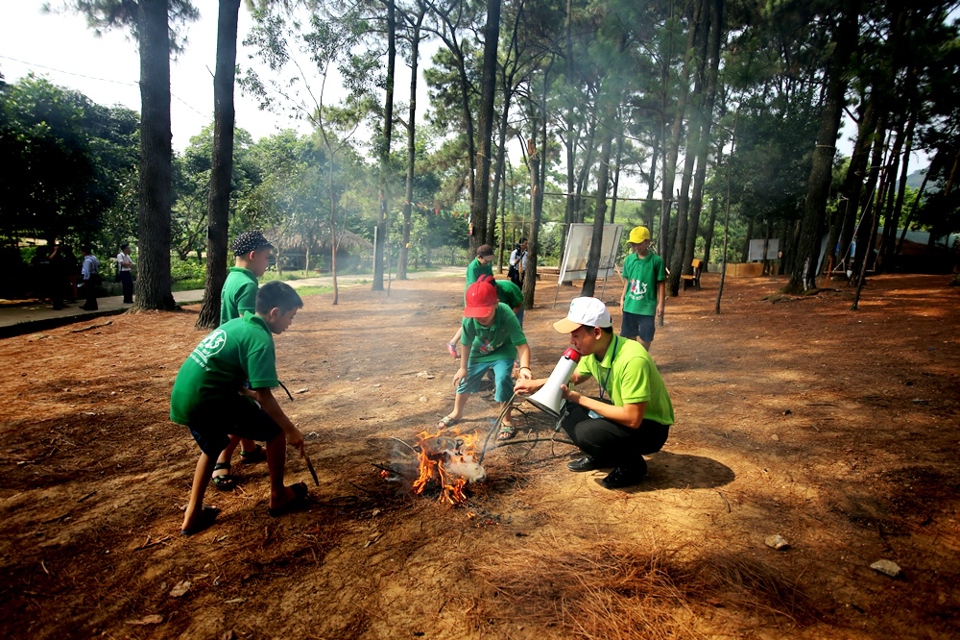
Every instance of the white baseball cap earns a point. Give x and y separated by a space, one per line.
584 311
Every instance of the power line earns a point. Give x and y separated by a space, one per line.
125 83
70 73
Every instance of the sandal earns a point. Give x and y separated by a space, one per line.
446 422
507 432
206 517
253 457
226 482
452 350
297 502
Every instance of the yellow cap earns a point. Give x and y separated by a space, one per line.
638 235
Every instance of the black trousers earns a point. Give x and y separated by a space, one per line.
89 293
126 279
612 444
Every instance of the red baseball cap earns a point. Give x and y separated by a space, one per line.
481 299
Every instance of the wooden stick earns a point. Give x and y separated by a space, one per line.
303 452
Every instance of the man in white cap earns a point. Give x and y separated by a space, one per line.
632 416
644 289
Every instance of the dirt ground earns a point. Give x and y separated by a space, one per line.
837 430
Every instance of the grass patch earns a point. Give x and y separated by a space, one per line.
188 284
312 290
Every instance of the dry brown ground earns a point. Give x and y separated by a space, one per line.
835 429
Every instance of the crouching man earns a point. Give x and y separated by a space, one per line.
633 414
209 398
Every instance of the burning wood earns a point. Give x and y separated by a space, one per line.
444 462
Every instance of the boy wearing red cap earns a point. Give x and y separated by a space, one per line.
644 291
481 266
493 339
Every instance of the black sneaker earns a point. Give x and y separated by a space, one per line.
586 463
622 477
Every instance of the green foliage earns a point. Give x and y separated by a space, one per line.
67 162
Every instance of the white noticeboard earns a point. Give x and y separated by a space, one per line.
579 239
755 253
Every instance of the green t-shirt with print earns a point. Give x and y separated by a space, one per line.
628 375
498 341
642 276
238 351
239 294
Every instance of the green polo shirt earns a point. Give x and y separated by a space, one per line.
628 375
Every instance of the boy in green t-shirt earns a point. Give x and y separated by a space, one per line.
210 397
239 295
508 293
644 290
493 340
482 265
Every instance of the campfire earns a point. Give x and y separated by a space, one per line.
444 462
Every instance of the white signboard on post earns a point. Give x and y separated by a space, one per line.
579 239
755 252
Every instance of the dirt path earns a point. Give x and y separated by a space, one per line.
834 429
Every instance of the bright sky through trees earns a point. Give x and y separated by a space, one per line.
63 49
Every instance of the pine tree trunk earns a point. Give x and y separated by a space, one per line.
156 157
380 238
411 148
818 185
218 204
480 204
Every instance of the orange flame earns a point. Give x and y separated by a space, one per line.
436 453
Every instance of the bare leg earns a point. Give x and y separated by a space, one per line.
247 445
226 454
508 416
276 459
458 404
646 345
201 477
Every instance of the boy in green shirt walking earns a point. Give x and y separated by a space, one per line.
644 291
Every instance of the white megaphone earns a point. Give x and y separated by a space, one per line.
550 396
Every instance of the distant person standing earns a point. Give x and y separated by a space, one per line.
125 269
91 279
58 276
518 263
239 297
45 278
644 290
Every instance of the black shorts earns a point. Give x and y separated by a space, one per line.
212 424
634 324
